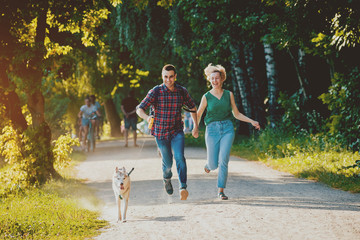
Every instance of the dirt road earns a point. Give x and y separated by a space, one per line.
263 203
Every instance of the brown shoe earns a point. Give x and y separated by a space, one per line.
183 194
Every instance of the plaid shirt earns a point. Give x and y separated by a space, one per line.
168 105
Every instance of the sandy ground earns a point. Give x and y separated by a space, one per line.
263 203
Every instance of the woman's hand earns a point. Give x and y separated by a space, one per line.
256 125
195 132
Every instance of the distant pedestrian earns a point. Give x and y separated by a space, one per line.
219 134
168 100
98 119
128 107
188 122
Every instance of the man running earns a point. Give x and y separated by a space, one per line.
168 100
87 114
128 107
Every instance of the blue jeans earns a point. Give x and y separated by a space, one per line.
167 148
219 137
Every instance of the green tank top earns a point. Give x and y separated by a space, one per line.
218 109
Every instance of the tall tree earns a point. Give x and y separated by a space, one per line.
34 34
273 89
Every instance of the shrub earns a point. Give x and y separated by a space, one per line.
343 100
28 158
299 115
63 147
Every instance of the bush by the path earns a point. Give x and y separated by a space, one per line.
57 210
315 157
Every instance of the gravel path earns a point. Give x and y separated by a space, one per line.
263 203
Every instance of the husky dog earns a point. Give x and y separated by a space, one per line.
121 186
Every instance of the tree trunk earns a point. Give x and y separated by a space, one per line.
36 105
331 63
302 69
273 90
33 70
257 105
238 65
299 73
236 97
11 101
241 127
113 117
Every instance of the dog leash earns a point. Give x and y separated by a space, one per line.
188 110
131 171
141 148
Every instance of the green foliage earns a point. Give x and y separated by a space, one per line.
318 157
59 209
343 100
195 142
299 116
63 149
29 156
323 166
56 105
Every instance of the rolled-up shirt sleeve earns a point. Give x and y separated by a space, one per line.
148 100
188 101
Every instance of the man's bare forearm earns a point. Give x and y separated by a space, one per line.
141 113
194 118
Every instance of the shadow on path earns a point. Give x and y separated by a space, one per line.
241 190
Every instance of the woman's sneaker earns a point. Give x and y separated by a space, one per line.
168 186
183 194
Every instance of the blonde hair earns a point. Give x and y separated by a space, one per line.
215 68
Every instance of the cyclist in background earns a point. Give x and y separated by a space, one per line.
87 114
97 117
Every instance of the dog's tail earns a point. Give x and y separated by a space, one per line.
130 171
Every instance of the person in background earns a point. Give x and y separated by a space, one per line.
87 114
128 107
167 100
188 122
98 118
219 134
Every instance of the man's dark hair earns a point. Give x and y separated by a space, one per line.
169 67
92 96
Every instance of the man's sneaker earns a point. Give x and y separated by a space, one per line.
168 186
183 194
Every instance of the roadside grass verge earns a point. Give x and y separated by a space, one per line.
325 167
314 157
60 209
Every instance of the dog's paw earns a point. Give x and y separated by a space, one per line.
124 221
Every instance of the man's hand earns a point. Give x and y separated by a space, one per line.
195 132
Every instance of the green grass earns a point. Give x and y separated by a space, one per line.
322 166
303 155
60 209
